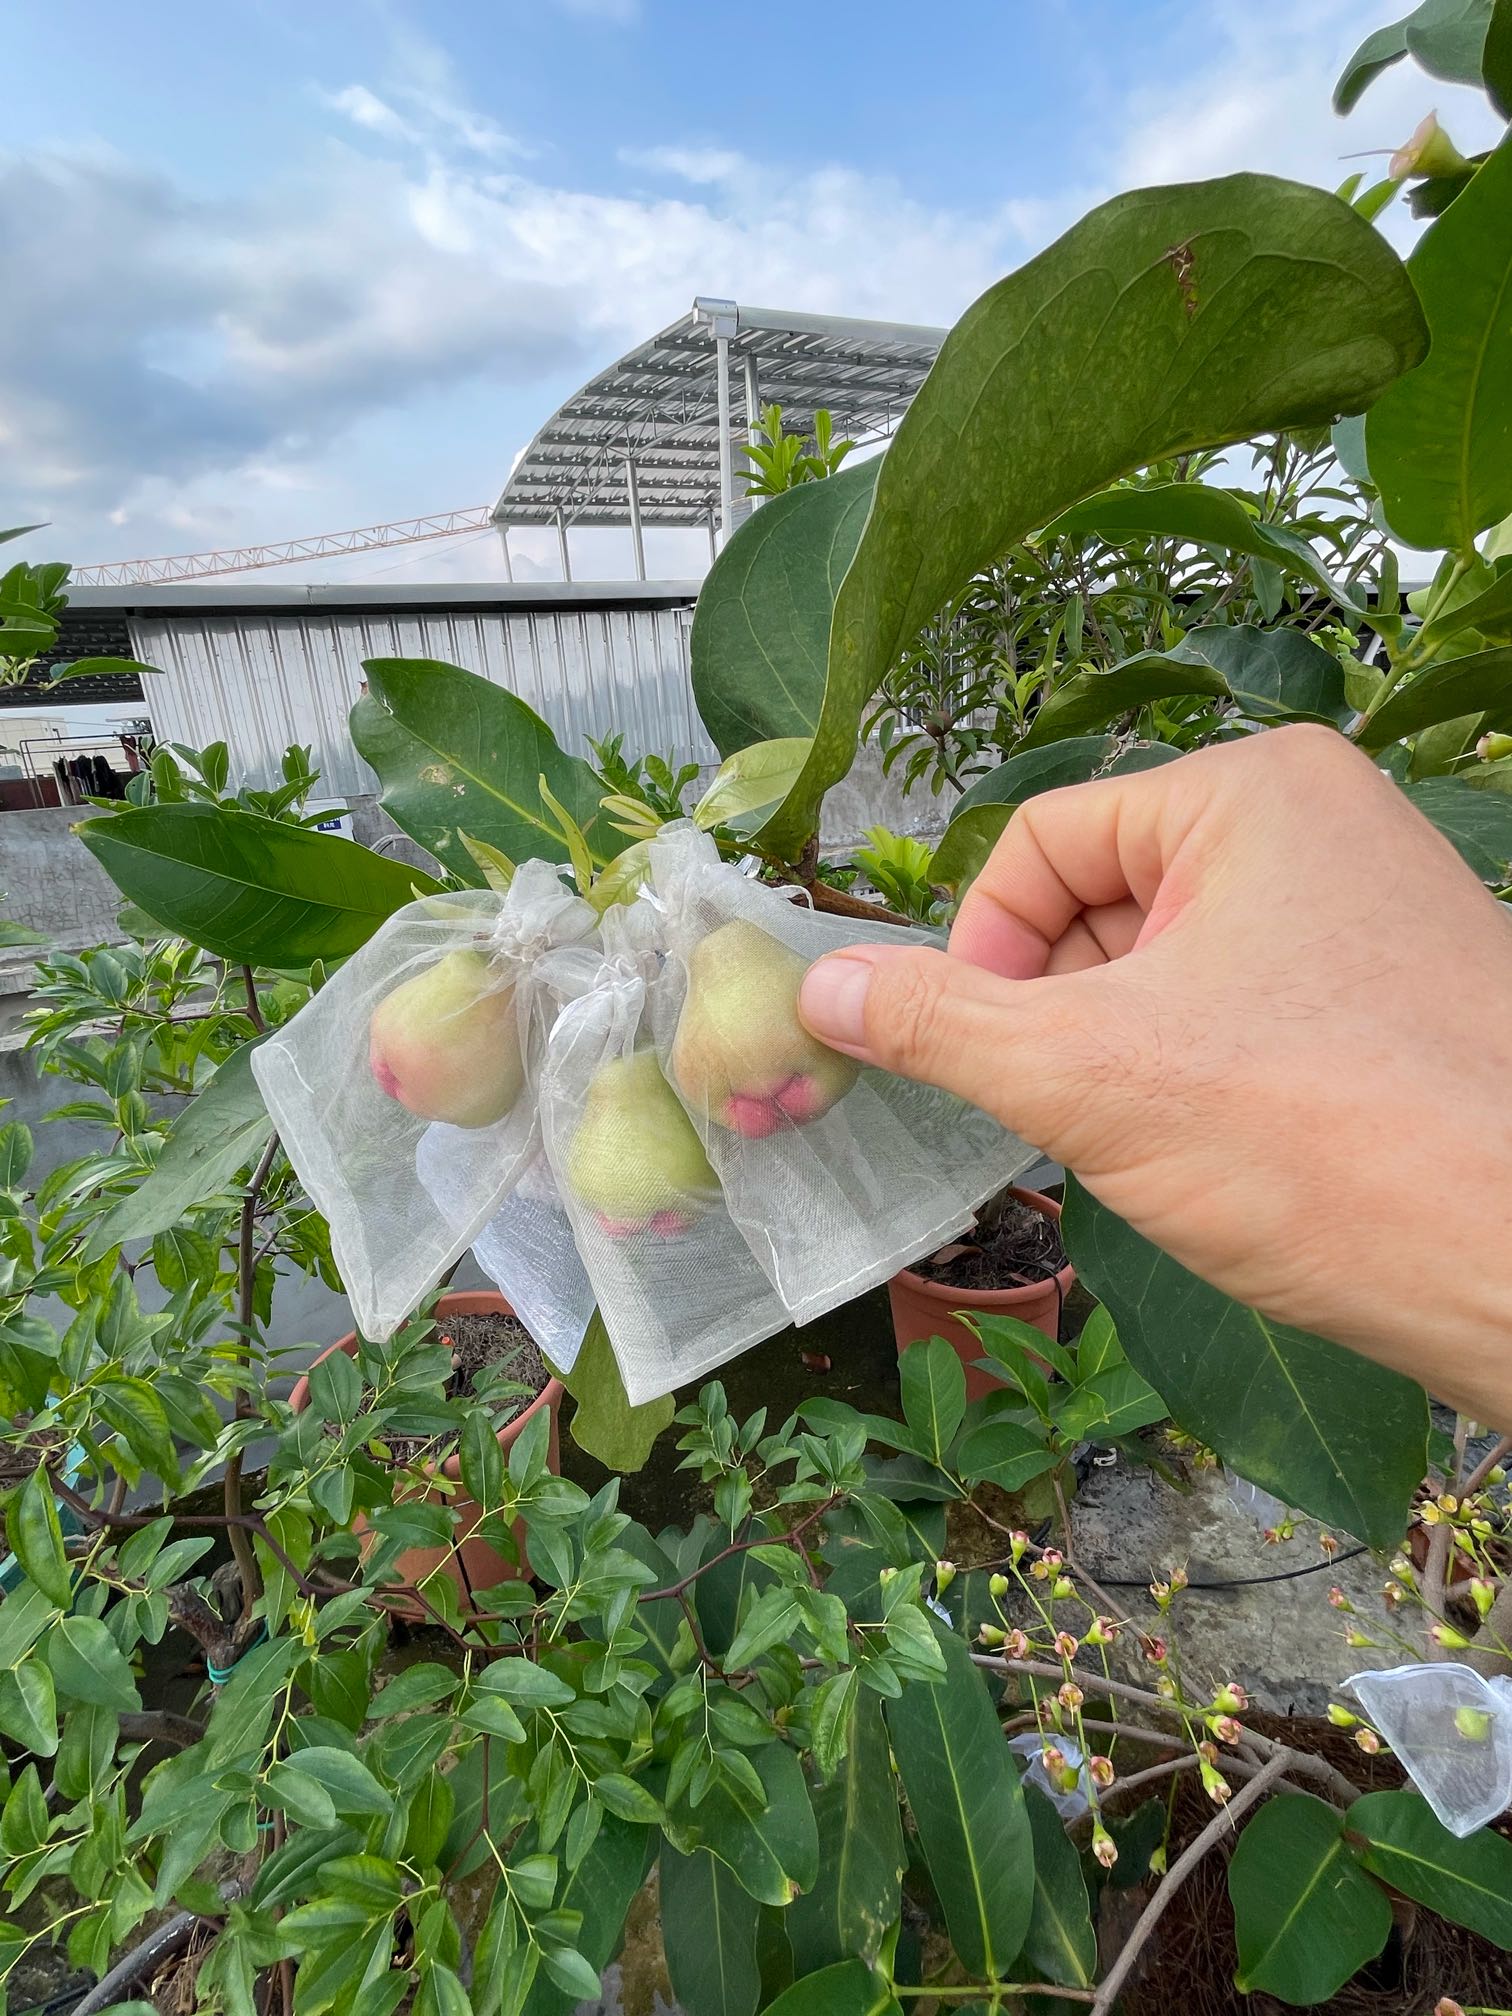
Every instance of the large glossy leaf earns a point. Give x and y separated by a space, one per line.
1480 683
1306 1915
752 781
1377 53
1060 1944
1496 58
220 1131
602 1887
1468 1881
861 1854
1198 514
761 628
1168 319
775 1854
253 891
1448 36
1089 699
933 1384
457 753
848 1990
1320 1427
978 821
603 1421
1478 823
709 1935
968 1805
1490 612
1440 441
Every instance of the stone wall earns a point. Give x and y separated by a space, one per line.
50 881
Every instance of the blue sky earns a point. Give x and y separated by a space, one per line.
278 268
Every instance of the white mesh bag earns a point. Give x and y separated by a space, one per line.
427 1038
674 1280
836 1176
1451 1730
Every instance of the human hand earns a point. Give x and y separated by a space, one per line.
1264 1011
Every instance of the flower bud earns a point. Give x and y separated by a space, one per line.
1070 1697
1393 1595
1447 2006
1017 1542
1103 1632
1482 1594
945 1574
1061 1588
887 1575
1155 1650
1226 1729
1104 1847
1101 1769
1448 1637
1339 1600
1448 1503
991 1634
1067 1778
1368 1741
1215 1784
1016 1646
1328 1545
1401 1567
1178 1580
1052 1558
1158 1861
1161 1591
1474 1724
1497 1473
1053 1759
997 1588
1066 1645
1340 1716
1357 1641
1165 1687
1231 1699
1428 152
1429 1515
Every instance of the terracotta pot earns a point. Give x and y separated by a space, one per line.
923 1308
470 1561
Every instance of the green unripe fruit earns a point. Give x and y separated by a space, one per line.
445 1044
741 1055
635 1159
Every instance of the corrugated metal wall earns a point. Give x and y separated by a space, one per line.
263 680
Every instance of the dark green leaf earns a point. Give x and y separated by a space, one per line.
760 633
628 1798
857 1897
775 1854
1167 320
352 1787
1438 440
524 1684
1496 58
1317 1425
1467 1881
254 891
850 1989
89 1666
603 1887
602 1421
709 1933
1379 50
969 1808
1005 1453
15 1154
301 1796
1478 684
1478 823
36 1538
933 1382
457 753
28 1709
97 668
1060 1944
1305 1914
481 1462
1196 513
1448 36
1089 699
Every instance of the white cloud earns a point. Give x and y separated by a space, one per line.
366 109
687 164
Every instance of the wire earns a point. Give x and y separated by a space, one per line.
1244 1581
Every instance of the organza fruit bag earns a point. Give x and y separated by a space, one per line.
420 1053
677 1287
835 1175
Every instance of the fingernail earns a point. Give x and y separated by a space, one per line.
833 1000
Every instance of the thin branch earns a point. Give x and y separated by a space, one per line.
674 1590
246 1276
1105 1602
1249 1795
254 1011
1486 1465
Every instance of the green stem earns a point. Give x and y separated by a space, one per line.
1412 655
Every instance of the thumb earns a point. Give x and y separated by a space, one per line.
1025 1051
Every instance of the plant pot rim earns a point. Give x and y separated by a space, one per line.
995 1298
466 1302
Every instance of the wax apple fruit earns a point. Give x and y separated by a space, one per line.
741 1055
635 1160
446 1045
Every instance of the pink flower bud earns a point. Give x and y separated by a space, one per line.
1339 1600
1448 1637
991 1634
1053 1558
1070 1697
1216 1785
1066 1645
1103 1632
1482 1594
1017 1542
1328 1545
1226 1729
1104 1847
1053 1759
1155 1651
1016 1646
1447 2006
1231 1699
1102 1771
1368 1741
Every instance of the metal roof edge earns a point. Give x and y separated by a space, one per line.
189 598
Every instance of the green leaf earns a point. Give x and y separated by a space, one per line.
1478 823
1305 1914
524 1684
28 1708
1198 514
769 1621
602 1887
1467 1881
222 1130
1480 683
89 1666
603 1422
352 1786
709 1933
1319 1426
1377 53
775 1854
628 1798
1496 58
1005 1453
1438 441
16 1146
968 1805
933 1381
981 814
852 1906
761 627
1167 320
36 1538
850 1989
1447 38
1060 1944
481 1460
454 751
299 1794
1088 699
98 668
256 892
751 782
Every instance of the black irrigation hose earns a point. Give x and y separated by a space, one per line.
1244 1581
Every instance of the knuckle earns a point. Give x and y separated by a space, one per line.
904 1012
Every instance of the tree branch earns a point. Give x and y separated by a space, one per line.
246 1277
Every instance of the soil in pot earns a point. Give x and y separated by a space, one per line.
492 1352
1013 1246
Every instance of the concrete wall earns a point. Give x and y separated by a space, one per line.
50 881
